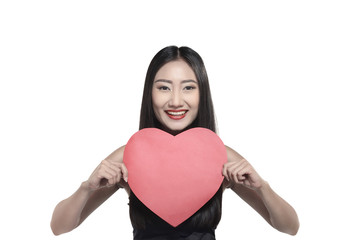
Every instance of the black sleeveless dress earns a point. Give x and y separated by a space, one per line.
201 226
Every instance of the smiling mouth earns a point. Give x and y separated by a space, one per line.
176 114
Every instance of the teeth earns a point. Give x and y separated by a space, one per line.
176 113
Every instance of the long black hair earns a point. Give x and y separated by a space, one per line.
209 215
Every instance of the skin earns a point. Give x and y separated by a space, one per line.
175 87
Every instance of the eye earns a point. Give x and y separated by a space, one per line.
163 88
188 88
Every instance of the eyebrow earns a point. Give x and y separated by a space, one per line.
169 81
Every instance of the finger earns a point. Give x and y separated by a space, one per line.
112 181
113 169
237 165
124 172
107 173
224 172
228 165
120 174
241 182
240 171
103 170
233 171
121 171
244 174
113 165
247 183
113 173
104 176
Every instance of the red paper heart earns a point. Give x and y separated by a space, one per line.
174 176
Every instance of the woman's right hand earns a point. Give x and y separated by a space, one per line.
72 211
107 174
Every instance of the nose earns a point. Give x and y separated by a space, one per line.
176 100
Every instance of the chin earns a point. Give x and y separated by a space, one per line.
175 129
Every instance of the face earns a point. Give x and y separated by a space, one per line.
175 95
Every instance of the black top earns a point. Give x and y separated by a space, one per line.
164 231
200 226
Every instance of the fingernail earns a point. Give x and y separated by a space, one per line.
126 179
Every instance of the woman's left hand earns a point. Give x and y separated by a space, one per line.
239 171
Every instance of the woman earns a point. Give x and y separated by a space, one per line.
176 97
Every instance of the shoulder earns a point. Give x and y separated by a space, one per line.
117 155
232 155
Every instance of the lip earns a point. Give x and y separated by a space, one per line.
176 114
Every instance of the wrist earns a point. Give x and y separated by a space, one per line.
86 187
264 187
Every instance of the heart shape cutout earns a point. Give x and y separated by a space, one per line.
174 176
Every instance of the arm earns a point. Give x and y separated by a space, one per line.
103 182
248 185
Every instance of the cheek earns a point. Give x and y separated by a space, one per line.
156 109
158 101
196 100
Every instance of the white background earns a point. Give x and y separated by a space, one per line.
284 77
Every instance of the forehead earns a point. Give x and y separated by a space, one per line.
176 70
